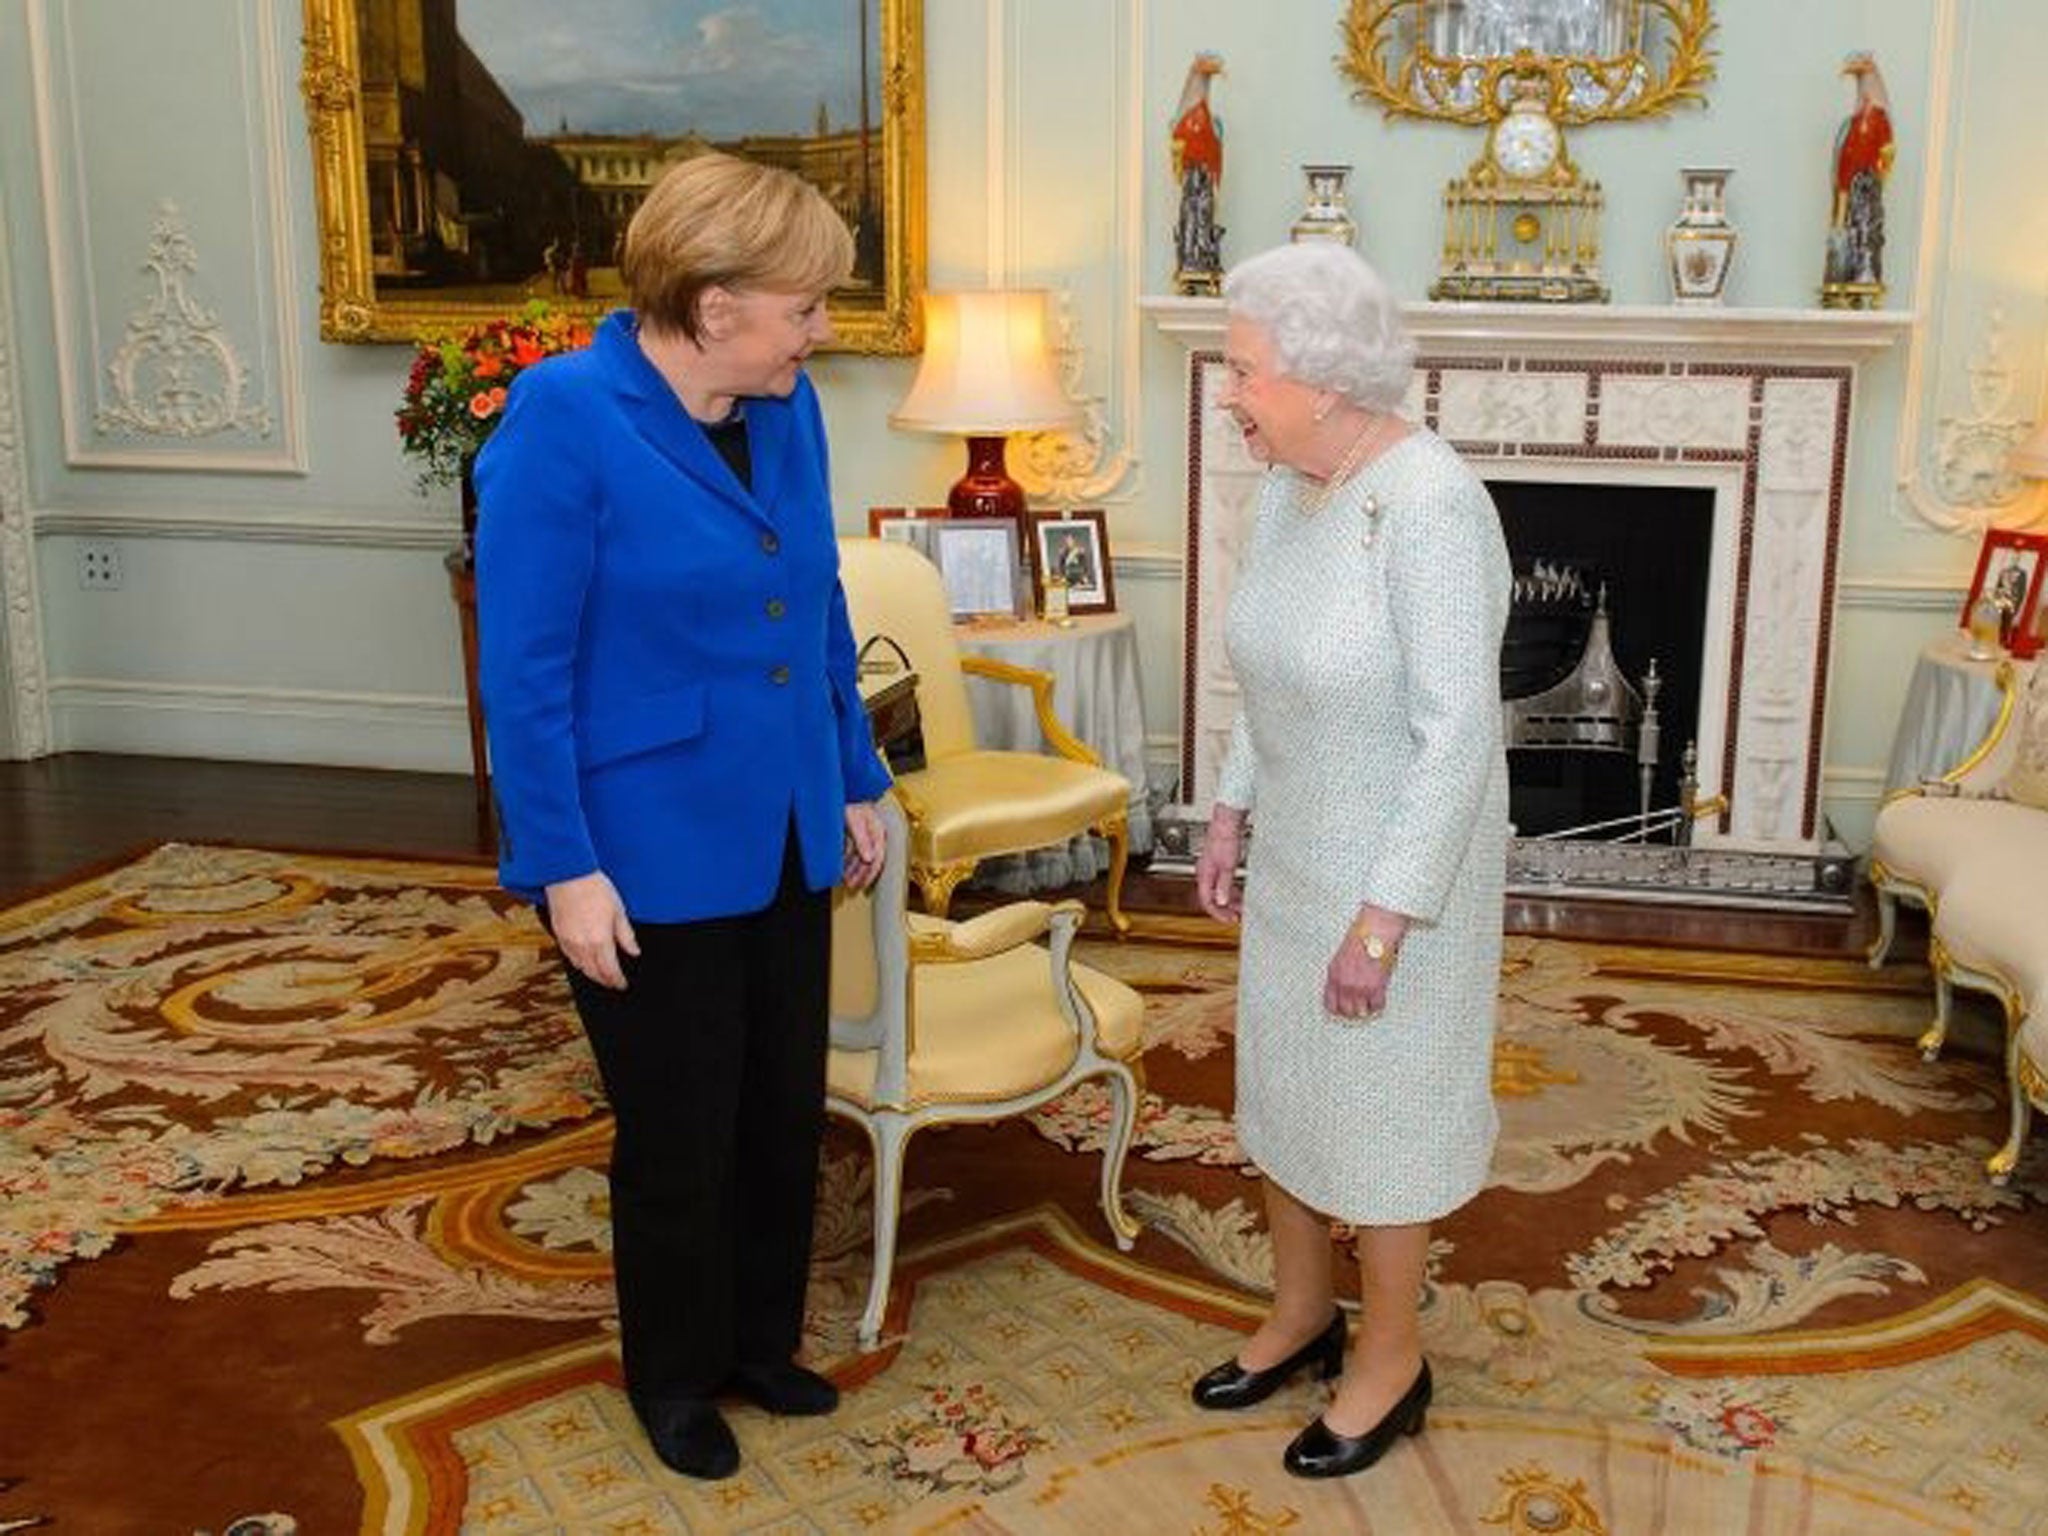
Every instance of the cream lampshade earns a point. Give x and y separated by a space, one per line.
987 371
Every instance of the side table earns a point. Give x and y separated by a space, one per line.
1096 694
1951 703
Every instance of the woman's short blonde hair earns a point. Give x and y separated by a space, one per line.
719 221
1331 319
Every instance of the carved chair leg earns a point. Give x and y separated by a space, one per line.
1887 926
1123 1124
2020 1076
1117 830
1936 1034
890 1137
937 882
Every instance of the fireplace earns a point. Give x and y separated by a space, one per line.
1602 570
1745 413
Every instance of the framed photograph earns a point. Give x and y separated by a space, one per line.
2010 570
470 155
1075 547
908 525
982 560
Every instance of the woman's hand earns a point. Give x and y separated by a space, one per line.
867 843
1216 870
590 926
1355 987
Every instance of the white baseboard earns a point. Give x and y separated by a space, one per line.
415 732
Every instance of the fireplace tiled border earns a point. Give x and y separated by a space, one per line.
1756 404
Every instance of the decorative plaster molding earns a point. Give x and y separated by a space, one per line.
177 374
381 730
1972 490
176 378
1903 594
312 526
1969 463
26 698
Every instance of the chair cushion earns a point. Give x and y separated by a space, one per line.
973 805
2027 779
990 1030
1931 839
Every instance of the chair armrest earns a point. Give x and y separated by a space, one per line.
992 933
1062 740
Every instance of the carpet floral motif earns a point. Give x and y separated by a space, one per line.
208 1020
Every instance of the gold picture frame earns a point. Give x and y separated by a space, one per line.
402 266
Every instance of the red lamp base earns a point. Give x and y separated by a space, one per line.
986 490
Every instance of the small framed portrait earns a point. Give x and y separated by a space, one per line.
907 525
1074 546
982 561
2006 590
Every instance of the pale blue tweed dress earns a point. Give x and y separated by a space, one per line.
1365 636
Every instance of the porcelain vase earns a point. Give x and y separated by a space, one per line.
1701 241
1325 217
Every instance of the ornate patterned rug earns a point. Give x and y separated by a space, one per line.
302 1227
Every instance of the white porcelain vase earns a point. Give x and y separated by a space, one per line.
1326 217
1701 241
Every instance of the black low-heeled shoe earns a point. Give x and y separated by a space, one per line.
1319 1451
785 1388
1231 1385
691 1436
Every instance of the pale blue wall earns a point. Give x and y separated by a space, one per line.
283 593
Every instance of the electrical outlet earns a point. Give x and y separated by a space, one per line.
99 566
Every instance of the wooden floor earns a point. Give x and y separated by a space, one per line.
60 815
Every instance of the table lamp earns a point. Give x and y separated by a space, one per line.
986 372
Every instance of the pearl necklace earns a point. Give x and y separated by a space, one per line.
1316 494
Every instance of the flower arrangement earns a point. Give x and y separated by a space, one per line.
455 394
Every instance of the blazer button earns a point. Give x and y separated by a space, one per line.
771 544
778 675
776 609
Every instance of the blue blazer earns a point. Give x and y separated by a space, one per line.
666 666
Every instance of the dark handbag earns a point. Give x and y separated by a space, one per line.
892 708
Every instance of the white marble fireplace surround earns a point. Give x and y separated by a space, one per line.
1754 405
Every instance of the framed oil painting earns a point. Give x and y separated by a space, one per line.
470 155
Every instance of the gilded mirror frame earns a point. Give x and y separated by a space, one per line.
1388 60
354 308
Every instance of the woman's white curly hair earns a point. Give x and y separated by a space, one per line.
1331 319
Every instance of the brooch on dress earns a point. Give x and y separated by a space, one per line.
1369 508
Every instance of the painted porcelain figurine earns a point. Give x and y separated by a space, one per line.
1198 169
1864 152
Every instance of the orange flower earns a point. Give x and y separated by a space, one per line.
482 406
526 352
490 366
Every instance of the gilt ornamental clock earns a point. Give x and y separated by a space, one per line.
1523 222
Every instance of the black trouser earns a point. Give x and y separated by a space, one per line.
714 1060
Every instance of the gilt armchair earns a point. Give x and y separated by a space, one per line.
969 802
935 1023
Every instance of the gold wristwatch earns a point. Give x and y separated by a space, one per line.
1377 949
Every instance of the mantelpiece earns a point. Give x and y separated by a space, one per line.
1753 404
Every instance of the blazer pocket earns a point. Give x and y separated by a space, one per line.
659 720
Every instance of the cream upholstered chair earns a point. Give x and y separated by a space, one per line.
935 1022
1972 848
969 803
